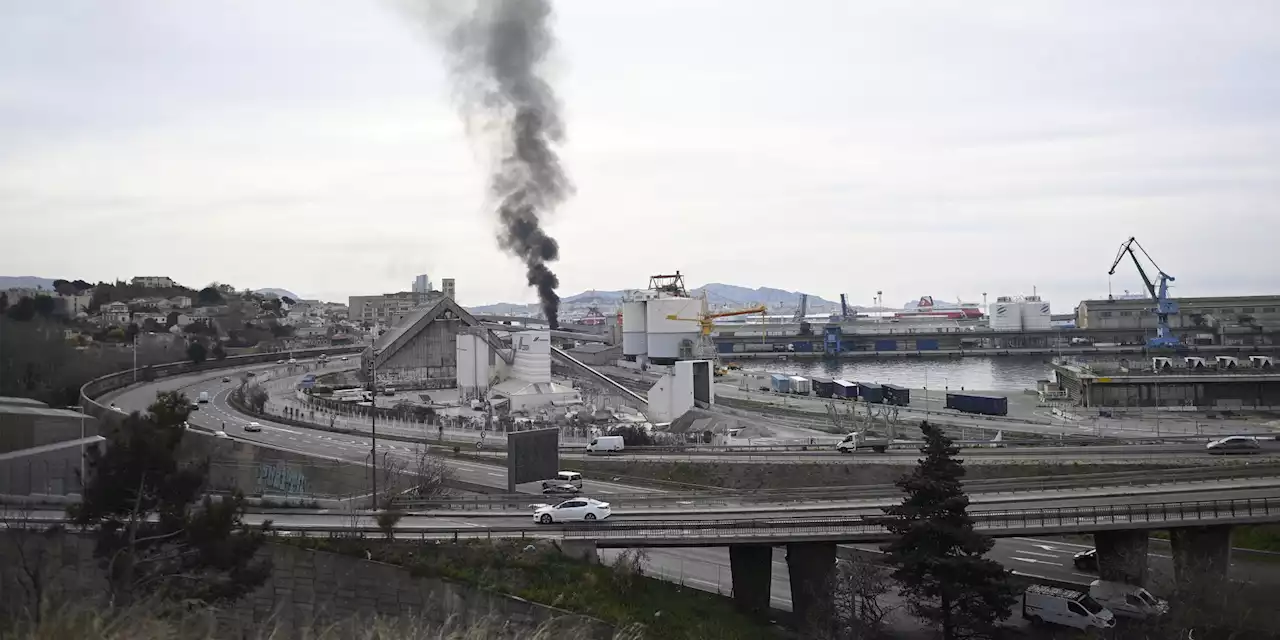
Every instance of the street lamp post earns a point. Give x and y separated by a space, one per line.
373 406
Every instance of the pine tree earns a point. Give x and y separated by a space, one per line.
937 556
157 533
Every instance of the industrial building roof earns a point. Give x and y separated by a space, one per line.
43 410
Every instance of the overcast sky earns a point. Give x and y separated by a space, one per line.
944 148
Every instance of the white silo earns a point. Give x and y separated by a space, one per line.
634 341
1005 315
532 356
1035 314
669 322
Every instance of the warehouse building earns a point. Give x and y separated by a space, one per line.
1224 314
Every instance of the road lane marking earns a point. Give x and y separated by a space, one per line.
1034 561
1040 555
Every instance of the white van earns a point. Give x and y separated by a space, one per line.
204 397
1126 600
605 444
1041 604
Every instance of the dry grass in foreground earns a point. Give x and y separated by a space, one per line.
166 623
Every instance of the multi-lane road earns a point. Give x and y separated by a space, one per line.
705 568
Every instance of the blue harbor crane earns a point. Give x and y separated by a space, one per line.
1165 307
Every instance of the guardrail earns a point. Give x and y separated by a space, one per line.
688 533
95 388
858 492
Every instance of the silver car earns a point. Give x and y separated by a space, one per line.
1233 445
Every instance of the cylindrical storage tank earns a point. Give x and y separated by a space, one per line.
634 341
1035 314
1005 315
533 356
665 334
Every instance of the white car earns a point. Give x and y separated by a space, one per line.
573 510
221 434
344 358
279 361
253 426
293 361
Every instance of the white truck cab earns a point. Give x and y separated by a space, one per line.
204 397
855 441
1126 600
1055 605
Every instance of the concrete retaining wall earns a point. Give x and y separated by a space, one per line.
306 588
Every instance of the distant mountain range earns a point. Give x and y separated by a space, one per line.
25 282
717 293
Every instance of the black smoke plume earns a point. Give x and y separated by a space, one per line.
497 49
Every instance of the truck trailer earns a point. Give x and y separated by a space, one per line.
983 405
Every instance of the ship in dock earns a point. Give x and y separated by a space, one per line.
927 307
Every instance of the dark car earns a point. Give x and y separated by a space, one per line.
560 488
1086 560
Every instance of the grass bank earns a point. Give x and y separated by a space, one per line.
157 621
539 572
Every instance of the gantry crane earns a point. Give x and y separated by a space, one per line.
706 348
1160 293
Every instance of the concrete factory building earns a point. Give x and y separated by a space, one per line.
421 351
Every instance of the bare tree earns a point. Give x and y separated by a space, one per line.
628 568
256 397
32 569
859 592
431 475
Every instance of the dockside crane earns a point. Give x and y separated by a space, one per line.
1159 293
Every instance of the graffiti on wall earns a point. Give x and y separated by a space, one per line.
277 477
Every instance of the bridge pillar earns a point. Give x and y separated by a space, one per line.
1122 556
812 567
752 573
1201 555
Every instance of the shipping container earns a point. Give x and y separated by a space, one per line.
893 394
824 387
754 347
845 389
800 385
802 347
886 345
724 347
780 383
985 405
927 344
871 392
738 347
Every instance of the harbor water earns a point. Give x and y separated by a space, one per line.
1006 373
